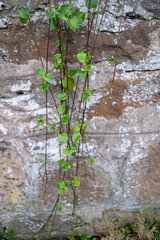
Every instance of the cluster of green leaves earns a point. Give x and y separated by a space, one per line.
69 139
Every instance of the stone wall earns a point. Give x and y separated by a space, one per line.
124 128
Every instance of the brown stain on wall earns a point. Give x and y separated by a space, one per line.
11 175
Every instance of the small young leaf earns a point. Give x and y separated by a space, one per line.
91 160
60 184
81 57
43 165
64 119
53 127
76 197
67 152
61 109
76 182
76 128
59 206
79 120
89 91
63 48
65 166
63 137
61 96
23 21
84 127
76 19
64 11
82 74
91 3
62 190
74 164
57 43
53 24
48 77
90 14
88 68
57 58
68 83
85 96
76 137
87 59
74 147
41 72
68 182
112 60
41 121
43 86
73 72
50 14
23 12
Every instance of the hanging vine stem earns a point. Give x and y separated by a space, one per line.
118 38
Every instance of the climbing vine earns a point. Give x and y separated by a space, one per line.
70 101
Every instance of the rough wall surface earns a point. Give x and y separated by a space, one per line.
124 134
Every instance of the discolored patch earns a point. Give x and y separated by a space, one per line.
11 176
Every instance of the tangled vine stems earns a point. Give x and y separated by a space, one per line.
70 135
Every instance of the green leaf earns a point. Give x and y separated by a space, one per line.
43 165
81 57
90 14
63 137
23 12
76 197
89 91
23 21
82 74
57 43
112 60
67 182
62 190
53 127
85 96
91 160
67 152
50 14
76 128
65 166
73 72
74 147
48 77
79 120
43 86
92 3
41 121
60 184
88 68
41 72
64 11
63 48
76 19
76 182
61 96
68 83
61 109
53 24
76 137
59 206
84 127
74 164
87 59
64 119
57 58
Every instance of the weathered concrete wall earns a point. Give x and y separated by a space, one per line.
124 127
